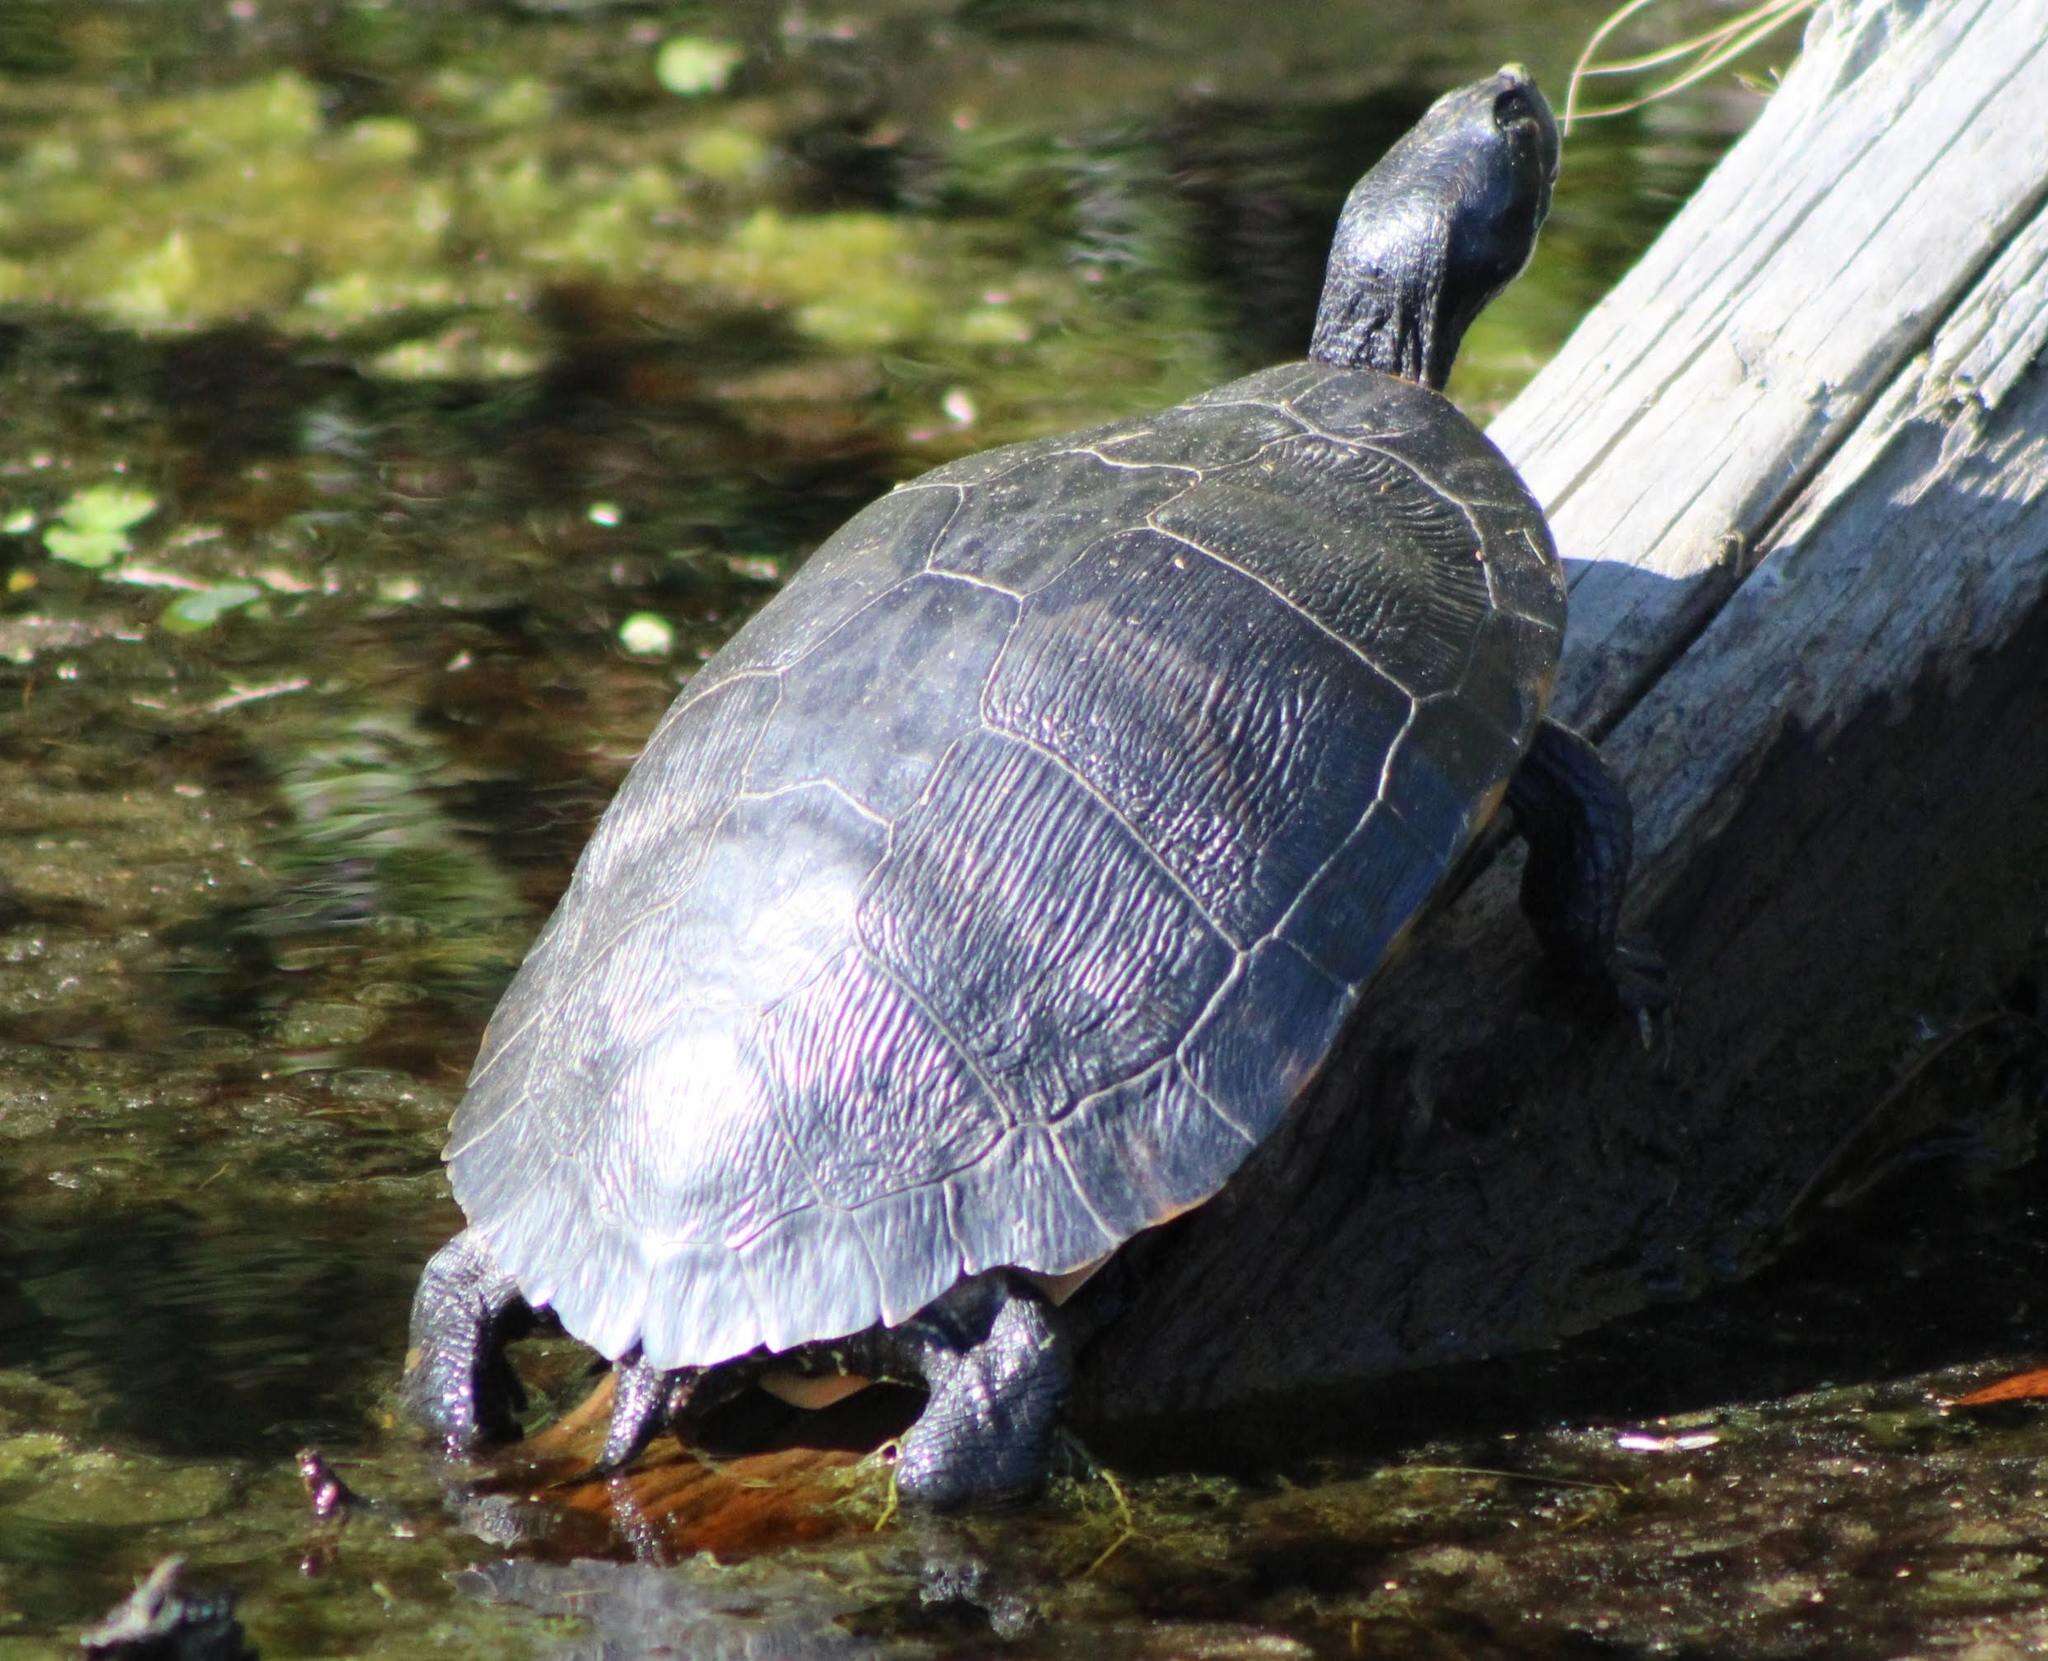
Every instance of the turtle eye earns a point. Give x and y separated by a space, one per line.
1511 104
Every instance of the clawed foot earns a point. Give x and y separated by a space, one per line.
645 1400
458 1381
1640 982
985 1436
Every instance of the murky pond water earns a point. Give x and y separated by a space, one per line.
402 400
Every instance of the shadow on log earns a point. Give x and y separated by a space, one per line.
1808 439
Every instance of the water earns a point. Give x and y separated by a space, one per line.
368 368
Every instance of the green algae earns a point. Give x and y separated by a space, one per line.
447 225
690 66
90 1486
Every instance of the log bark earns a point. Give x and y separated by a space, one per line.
1799 458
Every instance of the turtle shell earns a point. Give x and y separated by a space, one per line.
997 888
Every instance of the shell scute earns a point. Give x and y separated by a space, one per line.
872 711
1241 764
853 1050
1143 1150
886 543
1023 530
1025 1186
1044 937
1255 1051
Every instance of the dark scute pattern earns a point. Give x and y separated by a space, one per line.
875 707
1022 530
1527 579
819 1250
1508 680
1048 943
1456 460
1230 732
695 1105
873 1097
643 1077
1375 408
639 854
911 1238
700 1309
608 1283
986 466
1276 386
557 1230
1358 543
1448 772
1194 437
1025 1191
1146 1150
1271 1029
1349 918
792 868
887 541
854 992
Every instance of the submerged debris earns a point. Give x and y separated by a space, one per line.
160 1621
329 1495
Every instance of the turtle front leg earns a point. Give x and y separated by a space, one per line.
1575 817
458 1382
997 1365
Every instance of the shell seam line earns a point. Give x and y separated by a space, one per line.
1378 802
1291 604
557 993
1123 823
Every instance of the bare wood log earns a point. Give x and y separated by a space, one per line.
1804 451
1810 268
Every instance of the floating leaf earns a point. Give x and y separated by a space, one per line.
204 607
690 66
107 507
92 527
93 549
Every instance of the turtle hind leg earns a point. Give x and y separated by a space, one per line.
997 1367
458 1381
644 1399
1575 817
647 1399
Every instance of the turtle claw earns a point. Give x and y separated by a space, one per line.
458 1381
644 1401
1640 982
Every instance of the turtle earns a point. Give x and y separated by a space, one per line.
994 891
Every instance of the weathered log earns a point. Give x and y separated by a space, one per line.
1798 457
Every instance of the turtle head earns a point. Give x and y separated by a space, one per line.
1437 229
